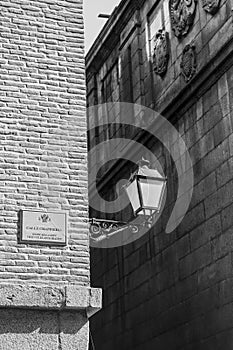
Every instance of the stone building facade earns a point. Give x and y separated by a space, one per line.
45 294
169 291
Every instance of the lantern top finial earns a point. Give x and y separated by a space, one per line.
144 169
143 163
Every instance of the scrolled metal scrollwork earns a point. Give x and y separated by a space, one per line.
104 229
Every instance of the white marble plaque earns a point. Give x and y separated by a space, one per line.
43 227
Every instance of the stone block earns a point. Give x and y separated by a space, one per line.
215 272
43 330
195 261
39 297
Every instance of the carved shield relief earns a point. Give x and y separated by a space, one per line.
182 13
160 53
188 62
211 6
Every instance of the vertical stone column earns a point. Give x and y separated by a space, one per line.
45 294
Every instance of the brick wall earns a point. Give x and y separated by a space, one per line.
173 291
43 136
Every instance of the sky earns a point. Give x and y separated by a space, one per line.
93 24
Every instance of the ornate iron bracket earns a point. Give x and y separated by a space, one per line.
104 229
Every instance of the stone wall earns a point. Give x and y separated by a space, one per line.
171 291
43 166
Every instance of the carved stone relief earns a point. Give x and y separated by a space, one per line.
188 62
182 13
160 53
211 6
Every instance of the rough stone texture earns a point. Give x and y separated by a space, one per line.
72 324
25 296
170 292
49 297
90 299
44 330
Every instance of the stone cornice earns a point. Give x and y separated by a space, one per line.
110 34
59 298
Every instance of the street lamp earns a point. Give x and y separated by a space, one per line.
145 190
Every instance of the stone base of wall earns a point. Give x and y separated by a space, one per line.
43 330
46 318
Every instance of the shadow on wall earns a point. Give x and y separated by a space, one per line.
51 330
172 291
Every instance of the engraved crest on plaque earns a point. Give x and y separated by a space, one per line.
188 62
160 53
182 13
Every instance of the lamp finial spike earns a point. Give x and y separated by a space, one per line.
143 163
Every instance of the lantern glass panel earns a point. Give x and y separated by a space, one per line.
146 212
132 192
151 192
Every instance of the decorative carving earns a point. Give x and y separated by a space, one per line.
44 218
161 53
182 13
188 62
211 6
